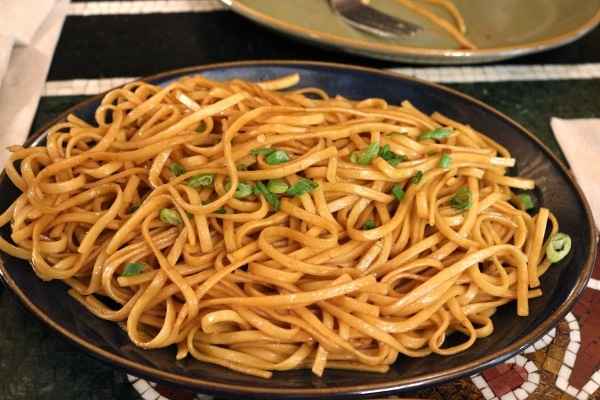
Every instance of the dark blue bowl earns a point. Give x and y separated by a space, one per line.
49 302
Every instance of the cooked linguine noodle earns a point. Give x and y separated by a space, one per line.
456 30
262 229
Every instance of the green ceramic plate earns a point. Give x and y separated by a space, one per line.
501 29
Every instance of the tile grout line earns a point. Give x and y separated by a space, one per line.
143 7
443 75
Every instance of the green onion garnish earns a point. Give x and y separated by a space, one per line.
445 160
201 127
133 268
242 190
440 133
392 158
370 224
271 198
277 186
526 199
370 153
262 150
558 247
301 187
397 192
278 157
134 207
417 179
462 200
171 217
201 180
177 169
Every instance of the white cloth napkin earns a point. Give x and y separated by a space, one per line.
579 139
29 32
22 18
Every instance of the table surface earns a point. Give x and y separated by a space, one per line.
101 46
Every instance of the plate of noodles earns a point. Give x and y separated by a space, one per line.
453 31
293 229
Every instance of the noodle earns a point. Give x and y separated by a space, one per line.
264 230
457 30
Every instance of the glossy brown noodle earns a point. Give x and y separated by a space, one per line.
456 27
240 285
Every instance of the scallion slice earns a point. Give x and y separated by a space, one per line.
417 178
370 224
278 157
440 133
526 199
558 247
242 190
201 180
277 186
445 160
301 187
463 200
271 198
177 169
262 150
397 192
133 268
134 207
171 217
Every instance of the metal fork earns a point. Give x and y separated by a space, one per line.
367 18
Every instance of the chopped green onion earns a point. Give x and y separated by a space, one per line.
242 167
177 169
445 160
440 133
262 150
392 158
526 199
201 127
301 187
558 247
278 157
171 217
370 153
397 192
271 198
370 224
277 186
274 156
462 200
133 268
134 207
201 180
385 151
417 179
242 190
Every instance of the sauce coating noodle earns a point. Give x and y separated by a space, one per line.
170 217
